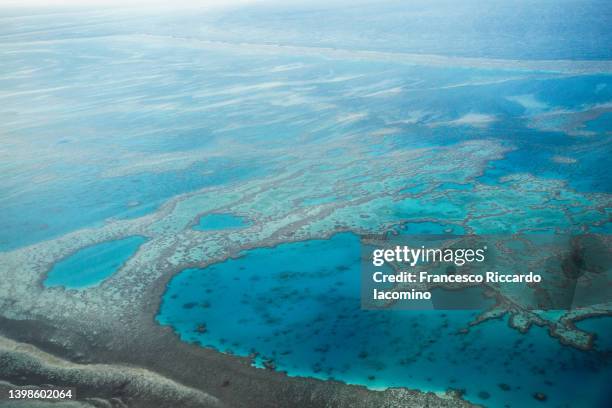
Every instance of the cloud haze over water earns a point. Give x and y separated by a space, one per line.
123 3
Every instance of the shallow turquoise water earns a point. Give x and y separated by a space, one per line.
91 265
220 221
298 305
318 200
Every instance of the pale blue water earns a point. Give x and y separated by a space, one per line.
220 221
91 265
306 317
71 196
67 205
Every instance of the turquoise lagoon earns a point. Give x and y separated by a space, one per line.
91 265
298 305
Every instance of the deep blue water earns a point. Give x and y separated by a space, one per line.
298 305
546 29
91 265
522 29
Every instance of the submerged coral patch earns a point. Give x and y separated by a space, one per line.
220 221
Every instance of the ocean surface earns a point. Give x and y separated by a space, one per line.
108 115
